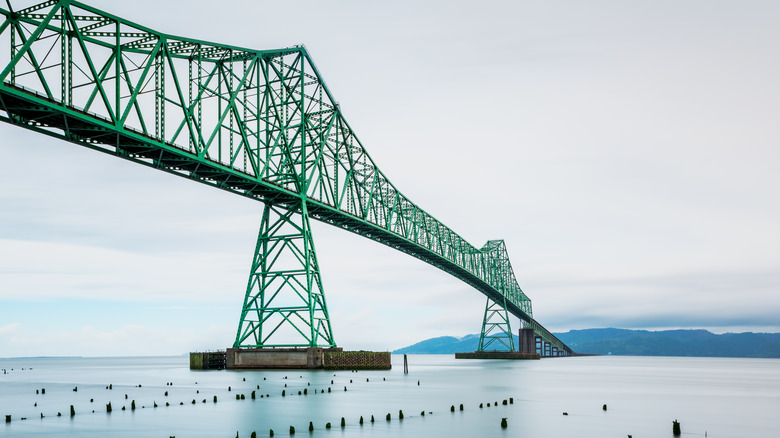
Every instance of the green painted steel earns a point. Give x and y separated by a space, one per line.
284 300
258 123
496 329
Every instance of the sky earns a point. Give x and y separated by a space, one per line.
627 152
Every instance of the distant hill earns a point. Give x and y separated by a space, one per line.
700 343
442 345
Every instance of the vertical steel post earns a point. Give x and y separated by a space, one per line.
117 72
70 63
63 59
189 101
230 111
13 51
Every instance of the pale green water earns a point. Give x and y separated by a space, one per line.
724 397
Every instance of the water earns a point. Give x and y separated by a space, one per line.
722 397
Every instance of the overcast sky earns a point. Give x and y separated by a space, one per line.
628 153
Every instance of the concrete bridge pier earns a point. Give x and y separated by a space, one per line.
531 345
527 341
530 342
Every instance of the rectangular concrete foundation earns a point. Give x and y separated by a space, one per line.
497 355
306 358
527 339
275 358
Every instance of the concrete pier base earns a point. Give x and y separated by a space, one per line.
305 358
497 355
276 358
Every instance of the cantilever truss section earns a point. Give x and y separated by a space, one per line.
258 123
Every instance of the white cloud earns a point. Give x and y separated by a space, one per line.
130 340
38 270
9 329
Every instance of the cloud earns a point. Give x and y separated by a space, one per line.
9 329
695 299
129 340
38 270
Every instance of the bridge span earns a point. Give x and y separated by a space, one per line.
257 123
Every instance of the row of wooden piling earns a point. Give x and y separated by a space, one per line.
253 396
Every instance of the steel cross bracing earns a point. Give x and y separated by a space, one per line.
285 289
258 123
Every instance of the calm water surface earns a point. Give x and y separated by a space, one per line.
722 397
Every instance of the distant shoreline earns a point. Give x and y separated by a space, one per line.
623 342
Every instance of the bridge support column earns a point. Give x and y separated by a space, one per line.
495 328
527 341
284 305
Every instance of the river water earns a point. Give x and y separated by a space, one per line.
718 397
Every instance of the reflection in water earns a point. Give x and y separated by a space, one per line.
724 397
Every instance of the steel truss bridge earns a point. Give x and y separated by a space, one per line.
257 123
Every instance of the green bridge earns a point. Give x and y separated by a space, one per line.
257 123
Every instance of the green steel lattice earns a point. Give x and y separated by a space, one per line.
258 123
